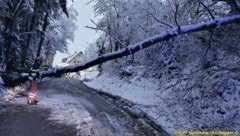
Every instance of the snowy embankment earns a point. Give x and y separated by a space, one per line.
196 100
139 91
142 92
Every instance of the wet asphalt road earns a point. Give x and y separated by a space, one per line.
104 118
22 120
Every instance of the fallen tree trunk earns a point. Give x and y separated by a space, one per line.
165 35
11 80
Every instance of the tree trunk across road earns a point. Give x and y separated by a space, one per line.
131 49
75 109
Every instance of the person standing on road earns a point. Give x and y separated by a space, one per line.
34 75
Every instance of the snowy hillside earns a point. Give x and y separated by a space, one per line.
196 99
186 82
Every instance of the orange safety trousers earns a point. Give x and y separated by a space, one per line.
33 92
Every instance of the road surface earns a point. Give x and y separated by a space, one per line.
67 107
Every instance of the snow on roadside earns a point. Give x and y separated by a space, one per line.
138 90
65 109
196 100
89 73
143 92
9 94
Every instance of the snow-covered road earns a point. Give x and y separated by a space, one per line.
74 104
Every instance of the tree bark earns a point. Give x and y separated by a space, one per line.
165 35
44 27
42 38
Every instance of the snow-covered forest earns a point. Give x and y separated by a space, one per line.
127 22
33 27
195 75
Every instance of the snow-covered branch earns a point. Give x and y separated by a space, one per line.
210 13
112 35
161 21
237 3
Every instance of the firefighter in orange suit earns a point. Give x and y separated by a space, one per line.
34 75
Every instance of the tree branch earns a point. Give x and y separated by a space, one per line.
204 62
163 22
111 35
210 13
175 18
237 2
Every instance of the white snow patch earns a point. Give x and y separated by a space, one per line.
141 91
67 110
9 94
89 74
84 75
1 80
138 90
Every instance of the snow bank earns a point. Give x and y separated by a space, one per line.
84 75
9 94
195 100
143 92
138 90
